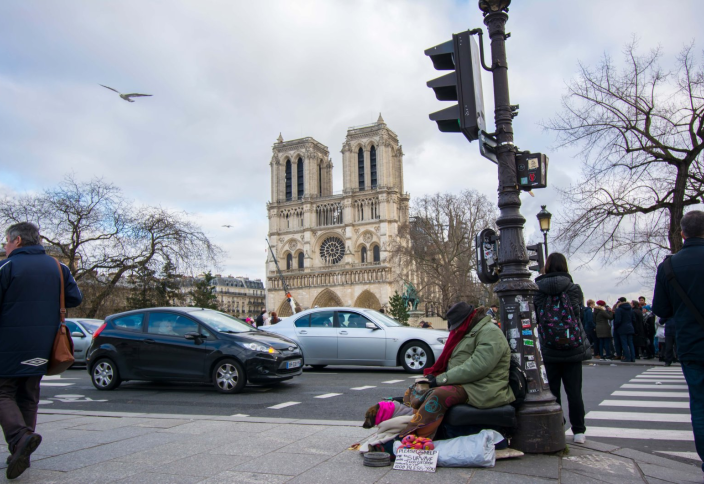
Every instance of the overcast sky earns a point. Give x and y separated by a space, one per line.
228 76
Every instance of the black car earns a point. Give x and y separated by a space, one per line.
188 344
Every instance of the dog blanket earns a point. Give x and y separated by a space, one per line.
386 411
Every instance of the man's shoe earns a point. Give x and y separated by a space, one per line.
579 438
19 460
9 457
668 364
597 358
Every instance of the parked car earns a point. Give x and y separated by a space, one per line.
189 344
357 336
82 331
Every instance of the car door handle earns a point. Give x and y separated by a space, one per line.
303 332
343 332
149 341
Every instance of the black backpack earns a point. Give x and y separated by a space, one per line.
518 382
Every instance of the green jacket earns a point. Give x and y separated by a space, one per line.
480 363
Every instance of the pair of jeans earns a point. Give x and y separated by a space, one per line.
19 401
617 346
604 347
569 374
694 375
629 352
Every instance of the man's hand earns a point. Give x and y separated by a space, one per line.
432 382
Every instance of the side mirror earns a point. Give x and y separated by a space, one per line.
78 334
372 326
193 336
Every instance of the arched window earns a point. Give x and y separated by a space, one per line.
377 254
320 179
372 162
300 260
360 168
364 254
289 186
289 262
300 178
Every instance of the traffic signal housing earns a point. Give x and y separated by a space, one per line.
535 253
464 85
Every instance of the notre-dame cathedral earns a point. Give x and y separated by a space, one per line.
332 247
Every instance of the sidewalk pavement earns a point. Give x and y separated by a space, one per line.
93 447
638 362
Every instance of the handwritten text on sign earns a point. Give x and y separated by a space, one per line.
416 460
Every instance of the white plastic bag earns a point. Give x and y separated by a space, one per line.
470 451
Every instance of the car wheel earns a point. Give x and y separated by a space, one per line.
105 375
416 357
318 367
228 376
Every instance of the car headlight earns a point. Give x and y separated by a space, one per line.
442 341
261 348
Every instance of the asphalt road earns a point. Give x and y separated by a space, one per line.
344 393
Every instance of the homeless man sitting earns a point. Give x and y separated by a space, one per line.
473 368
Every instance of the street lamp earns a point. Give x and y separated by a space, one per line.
544 220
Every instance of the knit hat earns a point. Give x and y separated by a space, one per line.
601 303
457 314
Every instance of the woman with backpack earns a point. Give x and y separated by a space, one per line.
563 341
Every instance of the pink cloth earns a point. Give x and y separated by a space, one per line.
386 411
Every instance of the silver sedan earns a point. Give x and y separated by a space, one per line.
357 336
82 333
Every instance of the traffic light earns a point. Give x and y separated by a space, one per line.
464 85
537 256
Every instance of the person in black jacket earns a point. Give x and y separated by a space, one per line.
564 366
688 269
30 285
639 339
624 321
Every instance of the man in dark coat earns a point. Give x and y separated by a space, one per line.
30 285
688 268
639 338
623 328
649 322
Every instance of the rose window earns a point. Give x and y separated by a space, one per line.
331 250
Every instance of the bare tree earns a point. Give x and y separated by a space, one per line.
102 238
640 131
437 247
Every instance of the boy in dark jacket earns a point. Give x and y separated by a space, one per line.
30 286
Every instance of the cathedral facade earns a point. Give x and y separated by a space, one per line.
333 247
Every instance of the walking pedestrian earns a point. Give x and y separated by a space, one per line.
30 285
259 320
639 339
660 337
679 294
602 318
649 322
564 345
623 328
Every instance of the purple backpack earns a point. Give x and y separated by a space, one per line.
558 326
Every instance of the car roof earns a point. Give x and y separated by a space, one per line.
332 308
175 309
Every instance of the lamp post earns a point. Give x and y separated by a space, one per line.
540 425
544 220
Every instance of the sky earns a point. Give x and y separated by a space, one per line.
228 76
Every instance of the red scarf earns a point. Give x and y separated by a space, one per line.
456 336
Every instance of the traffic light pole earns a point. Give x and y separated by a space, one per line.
540 420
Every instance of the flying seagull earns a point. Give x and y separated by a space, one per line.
228 226
127 97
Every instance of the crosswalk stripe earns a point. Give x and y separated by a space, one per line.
641 380
666 377
239 415
640 417
393 381
284 405
647 434
643 404
687 455
363 388
54 384
678 370
328 395
654 387
651 394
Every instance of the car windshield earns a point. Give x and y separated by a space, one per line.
222 322
91 326
382 318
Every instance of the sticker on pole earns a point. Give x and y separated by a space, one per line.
416 460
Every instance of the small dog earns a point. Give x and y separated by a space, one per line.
370 416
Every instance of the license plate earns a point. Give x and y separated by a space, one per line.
293 364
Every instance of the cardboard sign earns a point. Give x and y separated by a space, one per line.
416 460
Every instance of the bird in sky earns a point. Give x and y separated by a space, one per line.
227 226
127 97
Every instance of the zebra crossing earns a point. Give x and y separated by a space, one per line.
640 407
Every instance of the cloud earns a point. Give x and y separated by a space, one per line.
227 77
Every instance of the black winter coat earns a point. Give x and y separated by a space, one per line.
553 284
688 266
29 309
640 338
624 320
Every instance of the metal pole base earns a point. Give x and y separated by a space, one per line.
540 427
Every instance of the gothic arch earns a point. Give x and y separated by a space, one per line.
367 299
284 309
327 298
